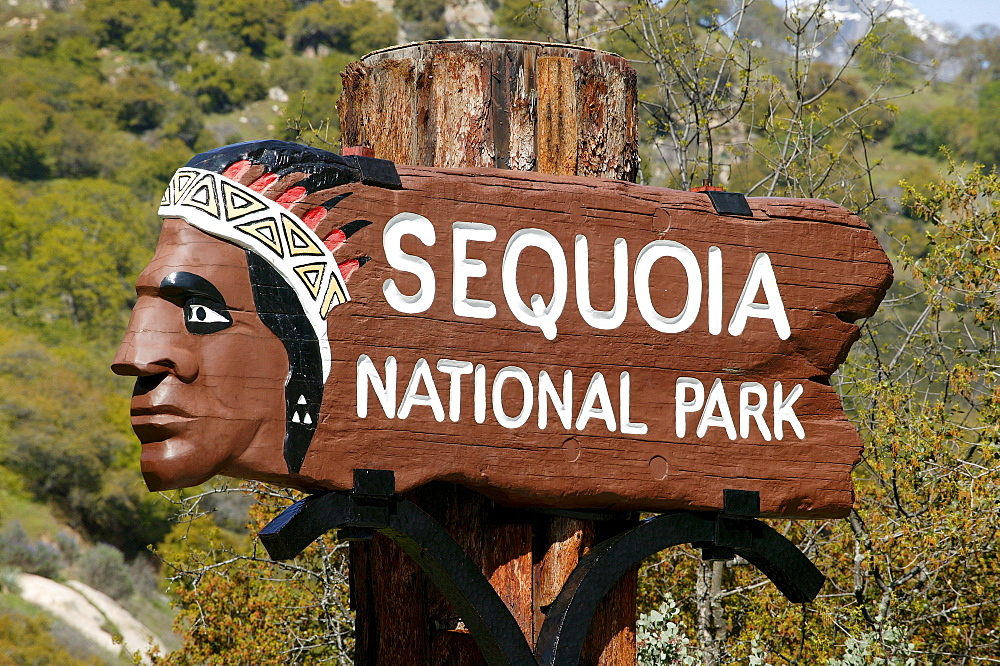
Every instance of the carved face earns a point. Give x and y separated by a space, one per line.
209 395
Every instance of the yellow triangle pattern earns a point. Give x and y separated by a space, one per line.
266 231
202 196
334 296
237 202
312 276
299 243
180 183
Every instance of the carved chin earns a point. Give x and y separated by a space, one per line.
171 465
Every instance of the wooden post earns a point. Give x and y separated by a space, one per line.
511 105
491 103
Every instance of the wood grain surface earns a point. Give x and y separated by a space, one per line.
526 106
830 271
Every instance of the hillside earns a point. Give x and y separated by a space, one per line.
103 99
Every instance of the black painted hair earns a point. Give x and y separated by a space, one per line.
280 310
265 166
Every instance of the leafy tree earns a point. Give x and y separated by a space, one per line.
160 32
521 19
61 38
149 168
892 51
22 150
925 133
313 118
356 28
141 101
102 567
237 606
113 21
219 85
987 137
979 55
68 439
74 249
247 26
423 19
19 550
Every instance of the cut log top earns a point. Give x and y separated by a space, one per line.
514 105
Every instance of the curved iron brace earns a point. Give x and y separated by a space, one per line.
373 506
560 641
422 538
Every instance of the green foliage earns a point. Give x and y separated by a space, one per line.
987 136
149 167
29 555
68 440
921 385
423 19
355 28
71 251
219 84
926 133
316 105
857 651
521 19
236 606
253 27
103 568
60 38
892 52
153 29
22 150
56 121
113 21
141 101
659 639
26 641
8 580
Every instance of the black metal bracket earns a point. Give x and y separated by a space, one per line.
372 506
730 203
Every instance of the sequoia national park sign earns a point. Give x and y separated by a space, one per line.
548 341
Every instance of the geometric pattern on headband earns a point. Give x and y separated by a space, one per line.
233 212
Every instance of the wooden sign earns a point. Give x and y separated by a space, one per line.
548 341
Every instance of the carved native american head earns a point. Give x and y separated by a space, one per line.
228 338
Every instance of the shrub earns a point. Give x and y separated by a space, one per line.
103 568
925 133
17 549
660 641
8 580
27 640
220 86
356 28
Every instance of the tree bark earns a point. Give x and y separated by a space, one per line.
510 105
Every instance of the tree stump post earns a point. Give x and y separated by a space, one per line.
510 105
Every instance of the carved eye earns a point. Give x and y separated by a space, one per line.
204 317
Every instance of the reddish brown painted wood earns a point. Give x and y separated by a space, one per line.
829 269
828 263
388 104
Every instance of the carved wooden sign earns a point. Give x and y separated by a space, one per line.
548 341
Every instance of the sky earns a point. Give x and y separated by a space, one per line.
965 13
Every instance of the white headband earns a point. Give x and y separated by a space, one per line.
235 213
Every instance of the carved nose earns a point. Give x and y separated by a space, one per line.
145 352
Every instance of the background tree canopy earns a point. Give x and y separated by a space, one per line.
103 99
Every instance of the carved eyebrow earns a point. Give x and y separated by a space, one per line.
182 285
